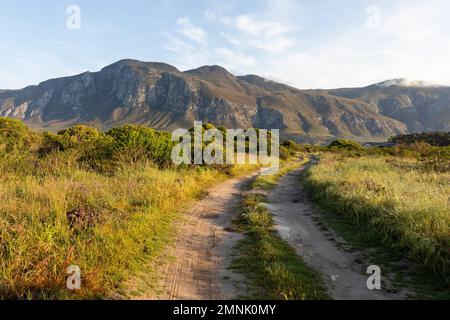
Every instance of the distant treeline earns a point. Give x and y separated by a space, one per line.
438 139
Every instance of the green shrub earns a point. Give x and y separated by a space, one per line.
80 145
346 145
137 143
290 144
77 135
285 153
15 135
439 139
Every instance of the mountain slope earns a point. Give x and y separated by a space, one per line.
161 96
422 107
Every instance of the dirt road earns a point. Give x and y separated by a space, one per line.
293 215
198 261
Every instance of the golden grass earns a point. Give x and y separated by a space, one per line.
130 224
405 206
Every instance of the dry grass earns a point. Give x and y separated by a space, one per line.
124 221
408 208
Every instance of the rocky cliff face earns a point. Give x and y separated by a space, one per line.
420 106
161 96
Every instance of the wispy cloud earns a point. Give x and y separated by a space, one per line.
309 44
186 55
264 34
234 58
238 41
412 41
190 31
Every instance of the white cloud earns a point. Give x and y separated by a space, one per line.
248 37
190 31
185 55
210 15
232 40
412 41
255 27
234 58
257 33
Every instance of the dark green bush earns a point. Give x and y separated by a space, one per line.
346 145
438 139
136 143
290 144
284 153
78 135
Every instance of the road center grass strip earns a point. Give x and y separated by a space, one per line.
272 267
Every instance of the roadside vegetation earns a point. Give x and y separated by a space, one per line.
108 202
438 139
398 196
272 267
104 201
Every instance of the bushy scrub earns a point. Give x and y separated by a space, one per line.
82 146
346 145
105 202
105 152
15 136
18 145
439 139
133 143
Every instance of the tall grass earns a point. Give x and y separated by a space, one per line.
406 207
120 222
105 202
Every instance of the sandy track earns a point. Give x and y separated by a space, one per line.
293 215
198 261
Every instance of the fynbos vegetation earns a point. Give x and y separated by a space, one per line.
105 202
400 194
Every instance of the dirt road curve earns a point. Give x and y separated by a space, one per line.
197 268
198 261
293 215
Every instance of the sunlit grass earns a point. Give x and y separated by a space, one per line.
131 223
406 207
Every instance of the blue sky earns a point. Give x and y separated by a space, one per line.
305 43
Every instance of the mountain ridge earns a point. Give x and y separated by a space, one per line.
159 95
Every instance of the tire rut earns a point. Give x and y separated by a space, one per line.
294 218
198 262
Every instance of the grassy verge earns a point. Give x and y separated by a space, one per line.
119 223
391 206
271 265
107 202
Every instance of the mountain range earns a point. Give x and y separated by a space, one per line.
161 96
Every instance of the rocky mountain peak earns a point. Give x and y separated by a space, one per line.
214 70
136 64
159 95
